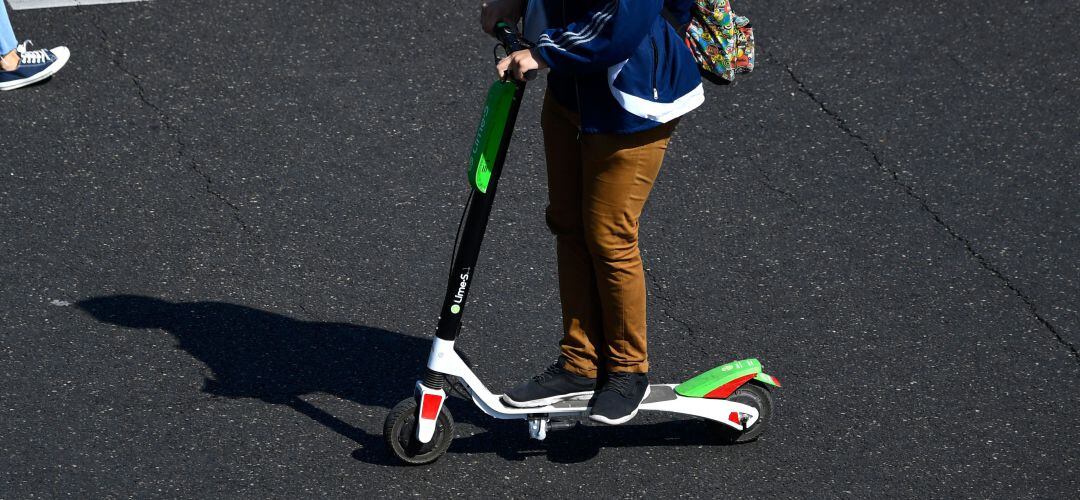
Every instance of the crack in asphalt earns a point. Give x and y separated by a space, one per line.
117 60
842 124
768 182
658 293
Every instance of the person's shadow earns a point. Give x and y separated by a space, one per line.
277 359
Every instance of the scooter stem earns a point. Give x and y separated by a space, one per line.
478 210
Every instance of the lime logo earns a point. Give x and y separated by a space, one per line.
480 130
459 297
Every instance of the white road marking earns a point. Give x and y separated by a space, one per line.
60 303
48 4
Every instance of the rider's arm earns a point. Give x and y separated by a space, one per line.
605 36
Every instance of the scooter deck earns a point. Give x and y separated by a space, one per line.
661 398
658 393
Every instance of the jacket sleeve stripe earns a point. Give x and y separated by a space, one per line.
596 23
598 20
588 35
570 39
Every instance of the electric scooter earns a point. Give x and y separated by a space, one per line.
735 396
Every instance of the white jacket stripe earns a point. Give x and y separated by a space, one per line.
662 112
599 21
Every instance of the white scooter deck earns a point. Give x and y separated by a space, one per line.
662 397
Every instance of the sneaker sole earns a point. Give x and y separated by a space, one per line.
544 401
616 421
61 60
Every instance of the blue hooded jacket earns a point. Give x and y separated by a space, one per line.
619 63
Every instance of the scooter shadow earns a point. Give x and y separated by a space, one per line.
271 357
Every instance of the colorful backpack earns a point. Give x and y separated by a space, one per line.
722 43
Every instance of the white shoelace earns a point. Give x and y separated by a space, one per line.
31 56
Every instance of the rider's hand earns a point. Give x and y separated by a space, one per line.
493 11
518 63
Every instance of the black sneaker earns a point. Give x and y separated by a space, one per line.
553 385
618 400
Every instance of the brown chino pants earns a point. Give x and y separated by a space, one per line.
597 186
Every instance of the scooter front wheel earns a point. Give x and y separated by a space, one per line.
399 432
760 398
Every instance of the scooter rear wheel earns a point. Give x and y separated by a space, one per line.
399 432
754 395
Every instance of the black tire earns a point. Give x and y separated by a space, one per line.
751 394
399 432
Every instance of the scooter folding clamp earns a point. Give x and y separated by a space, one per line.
538 427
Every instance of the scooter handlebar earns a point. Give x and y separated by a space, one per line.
508 37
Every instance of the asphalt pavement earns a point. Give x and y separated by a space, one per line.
226 229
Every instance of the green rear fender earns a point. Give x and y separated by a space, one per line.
723 380
490 133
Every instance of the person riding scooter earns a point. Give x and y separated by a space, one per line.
620 79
